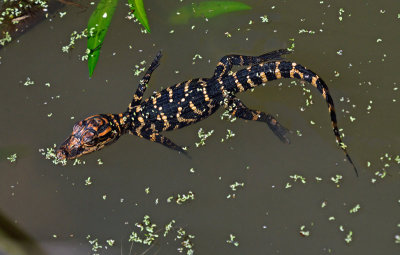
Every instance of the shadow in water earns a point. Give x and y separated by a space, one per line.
14 241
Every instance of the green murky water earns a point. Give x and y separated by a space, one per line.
352 45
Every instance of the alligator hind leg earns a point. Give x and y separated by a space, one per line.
158 138
236 107
137 97
226 63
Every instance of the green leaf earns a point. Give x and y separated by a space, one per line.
97 28
206 9
138 10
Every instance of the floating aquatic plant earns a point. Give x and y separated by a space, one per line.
206 9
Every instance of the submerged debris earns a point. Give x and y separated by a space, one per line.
17 16
303 232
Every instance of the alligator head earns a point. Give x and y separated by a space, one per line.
89 135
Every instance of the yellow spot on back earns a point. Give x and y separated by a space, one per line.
277 71
323 93
292 71
314 80
186 88
194 109
263 77
238 84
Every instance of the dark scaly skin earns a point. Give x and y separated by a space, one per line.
188 102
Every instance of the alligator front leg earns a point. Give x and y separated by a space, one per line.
237 108
158 138
137 97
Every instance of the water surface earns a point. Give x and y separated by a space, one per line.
352 45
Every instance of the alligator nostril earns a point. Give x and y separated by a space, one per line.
61 154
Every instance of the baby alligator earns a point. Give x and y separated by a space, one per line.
191 101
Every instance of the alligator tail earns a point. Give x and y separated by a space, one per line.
293 70
262 73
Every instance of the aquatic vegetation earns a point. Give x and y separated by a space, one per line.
148 230
203 136
148 234
181 198
139 12
228 135
349 237
234 187
97 28
73 38
88 181
12 158
18 15
101 17
355 209
303 232
232 241
397 239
